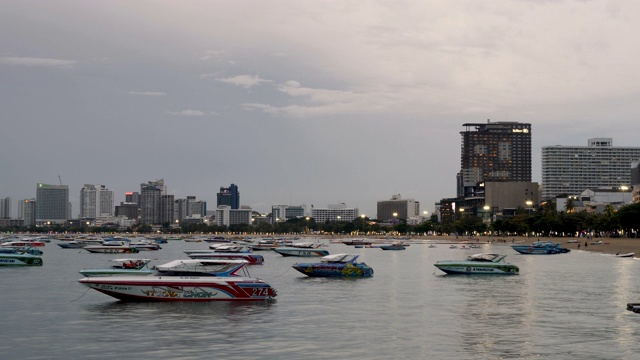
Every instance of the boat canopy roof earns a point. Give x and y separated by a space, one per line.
486 257
221 267
339 258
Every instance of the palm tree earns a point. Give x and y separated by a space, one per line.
570 206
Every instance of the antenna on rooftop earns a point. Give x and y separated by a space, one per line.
60 179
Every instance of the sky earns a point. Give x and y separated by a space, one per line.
300 102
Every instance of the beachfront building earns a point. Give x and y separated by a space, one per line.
226 216
570 170
397 208
286 212
494 151
96 201
495 171
52 204
334 212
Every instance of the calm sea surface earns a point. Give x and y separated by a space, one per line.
570 306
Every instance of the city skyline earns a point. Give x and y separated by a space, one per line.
300 103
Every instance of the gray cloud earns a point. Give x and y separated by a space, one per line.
147 93
31 61
246 81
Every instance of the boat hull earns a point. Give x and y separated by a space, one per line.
539 250
470 269
181 288
334 270
20 260
111 249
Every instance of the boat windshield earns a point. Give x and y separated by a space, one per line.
485 257
339 258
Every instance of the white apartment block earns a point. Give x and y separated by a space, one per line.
226 216
573 169
335 212
96 201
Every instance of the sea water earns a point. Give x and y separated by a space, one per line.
568 306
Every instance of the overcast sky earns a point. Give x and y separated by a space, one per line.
300 102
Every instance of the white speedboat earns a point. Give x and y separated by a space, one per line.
479 264
187 280
302 252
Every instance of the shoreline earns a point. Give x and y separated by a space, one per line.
609 245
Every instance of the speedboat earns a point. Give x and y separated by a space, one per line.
355 242
112 247
252 259
625 255
337 265
73 244
145 245
187 280
122 267
20 259
302 252
540 248
479 264
394 246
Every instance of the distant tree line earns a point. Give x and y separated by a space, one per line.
541 221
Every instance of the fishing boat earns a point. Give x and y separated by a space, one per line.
252 259
540 248
20 259
337 265
187 280
122 267
479 264
301 251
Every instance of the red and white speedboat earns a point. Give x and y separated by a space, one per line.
187 280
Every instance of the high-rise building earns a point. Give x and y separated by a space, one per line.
150 200
572 169
398 208
132 197
95 201
226 216
167 209
229 196
498 151
52 204
27 211
5 208
334 212
286 212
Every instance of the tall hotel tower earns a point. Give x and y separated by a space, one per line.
229 196
150 201
494 152
571 170
52 204
95 201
